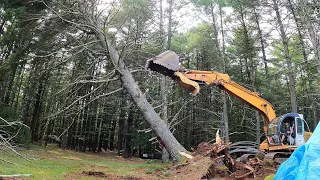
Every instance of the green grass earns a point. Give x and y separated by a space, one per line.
53 163
270 177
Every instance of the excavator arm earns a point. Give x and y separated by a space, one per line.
189 79
167 63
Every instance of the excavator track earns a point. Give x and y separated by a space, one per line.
277 157
245 148
243 151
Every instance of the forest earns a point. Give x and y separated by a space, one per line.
72 72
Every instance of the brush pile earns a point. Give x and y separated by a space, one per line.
210 161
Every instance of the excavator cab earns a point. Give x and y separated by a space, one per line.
277 135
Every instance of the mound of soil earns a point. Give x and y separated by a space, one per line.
94 173
98 174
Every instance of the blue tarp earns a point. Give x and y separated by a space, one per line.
304 163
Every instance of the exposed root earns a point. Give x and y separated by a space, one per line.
178 166
211 161
244 168
219 152
210 173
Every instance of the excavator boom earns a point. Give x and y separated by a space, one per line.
223 81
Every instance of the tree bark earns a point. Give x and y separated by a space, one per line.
292 84
122 124
8 89
222 67
127 137
258 126
315 40
314 114
169 24
112 133
19 85
35 121
264 58
113 123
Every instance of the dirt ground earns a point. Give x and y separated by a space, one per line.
102 175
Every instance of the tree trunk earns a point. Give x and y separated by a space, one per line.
35 121
314 114
164 98
15 88
128 130
8 89
225 116
19 85
170 2
122 123
112 133
222 67
247 56
258 127
292 84
264 58
100 133
113 123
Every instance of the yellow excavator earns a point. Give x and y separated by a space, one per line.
277 140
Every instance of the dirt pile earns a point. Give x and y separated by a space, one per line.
94 173
99 175
213 161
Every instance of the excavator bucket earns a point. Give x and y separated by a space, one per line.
167 63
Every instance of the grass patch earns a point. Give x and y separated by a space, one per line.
269 177
54 163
